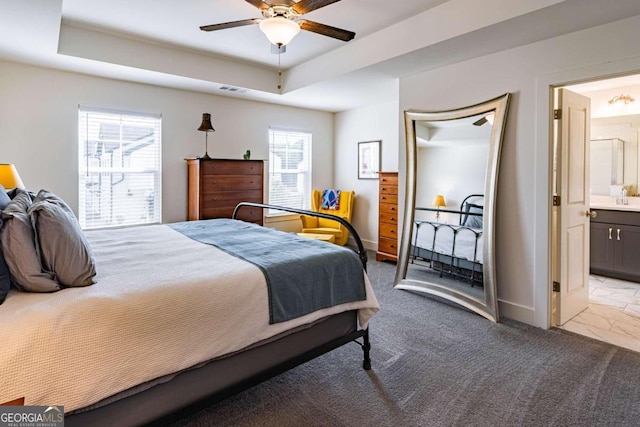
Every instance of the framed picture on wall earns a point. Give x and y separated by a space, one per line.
368 159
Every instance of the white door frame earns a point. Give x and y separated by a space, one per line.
542 194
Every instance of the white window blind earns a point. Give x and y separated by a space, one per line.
120 168
289 169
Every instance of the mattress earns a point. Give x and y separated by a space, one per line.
162 303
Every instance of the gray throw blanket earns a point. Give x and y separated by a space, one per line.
302 275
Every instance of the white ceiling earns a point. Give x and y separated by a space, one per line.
159 42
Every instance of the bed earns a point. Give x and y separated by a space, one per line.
173 323
453 249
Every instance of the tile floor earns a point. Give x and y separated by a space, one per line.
613 315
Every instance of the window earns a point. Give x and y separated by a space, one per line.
120 171
289 169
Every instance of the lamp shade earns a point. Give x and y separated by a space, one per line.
438 201
206 123
279 30
9 177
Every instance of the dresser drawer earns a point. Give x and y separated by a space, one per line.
388 230
388 208
247 213
389 198
230 198
390 218
389 246
230 167
217 183
388 189
388 180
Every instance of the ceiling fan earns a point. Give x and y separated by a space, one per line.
281 21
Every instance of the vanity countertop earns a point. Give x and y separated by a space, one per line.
613 207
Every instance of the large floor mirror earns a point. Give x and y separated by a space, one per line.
447 243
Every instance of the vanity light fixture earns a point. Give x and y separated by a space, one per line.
438 202
621 99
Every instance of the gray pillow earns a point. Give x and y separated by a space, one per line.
19 247
63 247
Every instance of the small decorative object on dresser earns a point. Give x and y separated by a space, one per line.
388 217
216 186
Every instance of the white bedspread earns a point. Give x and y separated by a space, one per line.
162 303
467 247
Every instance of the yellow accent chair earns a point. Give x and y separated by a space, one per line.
315 225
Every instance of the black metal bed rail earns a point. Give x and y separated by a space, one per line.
362 253
455 229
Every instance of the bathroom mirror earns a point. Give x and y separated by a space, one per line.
448 240
607 167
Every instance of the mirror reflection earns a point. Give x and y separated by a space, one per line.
447 242
614 156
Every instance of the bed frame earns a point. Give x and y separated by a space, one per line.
449 263
173 397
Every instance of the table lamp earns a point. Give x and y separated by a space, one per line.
438 202
206 127
9 177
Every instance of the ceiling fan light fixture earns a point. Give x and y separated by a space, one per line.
280 31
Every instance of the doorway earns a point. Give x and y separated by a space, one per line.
613 310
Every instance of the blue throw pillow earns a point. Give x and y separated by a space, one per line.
5 276
473 221
5 279
4 198
331 199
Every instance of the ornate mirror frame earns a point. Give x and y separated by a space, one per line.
489 306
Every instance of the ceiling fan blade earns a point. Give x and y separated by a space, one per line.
306 6
480 121
259 4
326 30
232 24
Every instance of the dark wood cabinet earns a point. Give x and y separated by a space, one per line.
615 244
216 186
388 217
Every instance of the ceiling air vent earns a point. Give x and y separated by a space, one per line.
233 89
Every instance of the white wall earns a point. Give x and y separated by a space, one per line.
455 172
375 122
522 235
38 128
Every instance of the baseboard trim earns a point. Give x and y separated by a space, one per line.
516 312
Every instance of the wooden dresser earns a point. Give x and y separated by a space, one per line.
216 186
388 217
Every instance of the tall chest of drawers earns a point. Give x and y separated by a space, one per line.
216 186
388 217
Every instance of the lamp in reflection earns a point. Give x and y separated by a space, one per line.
438 202
9 177
206 127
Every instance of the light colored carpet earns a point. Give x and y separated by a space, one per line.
438 365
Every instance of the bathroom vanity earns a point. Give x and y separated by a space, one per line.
615 242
